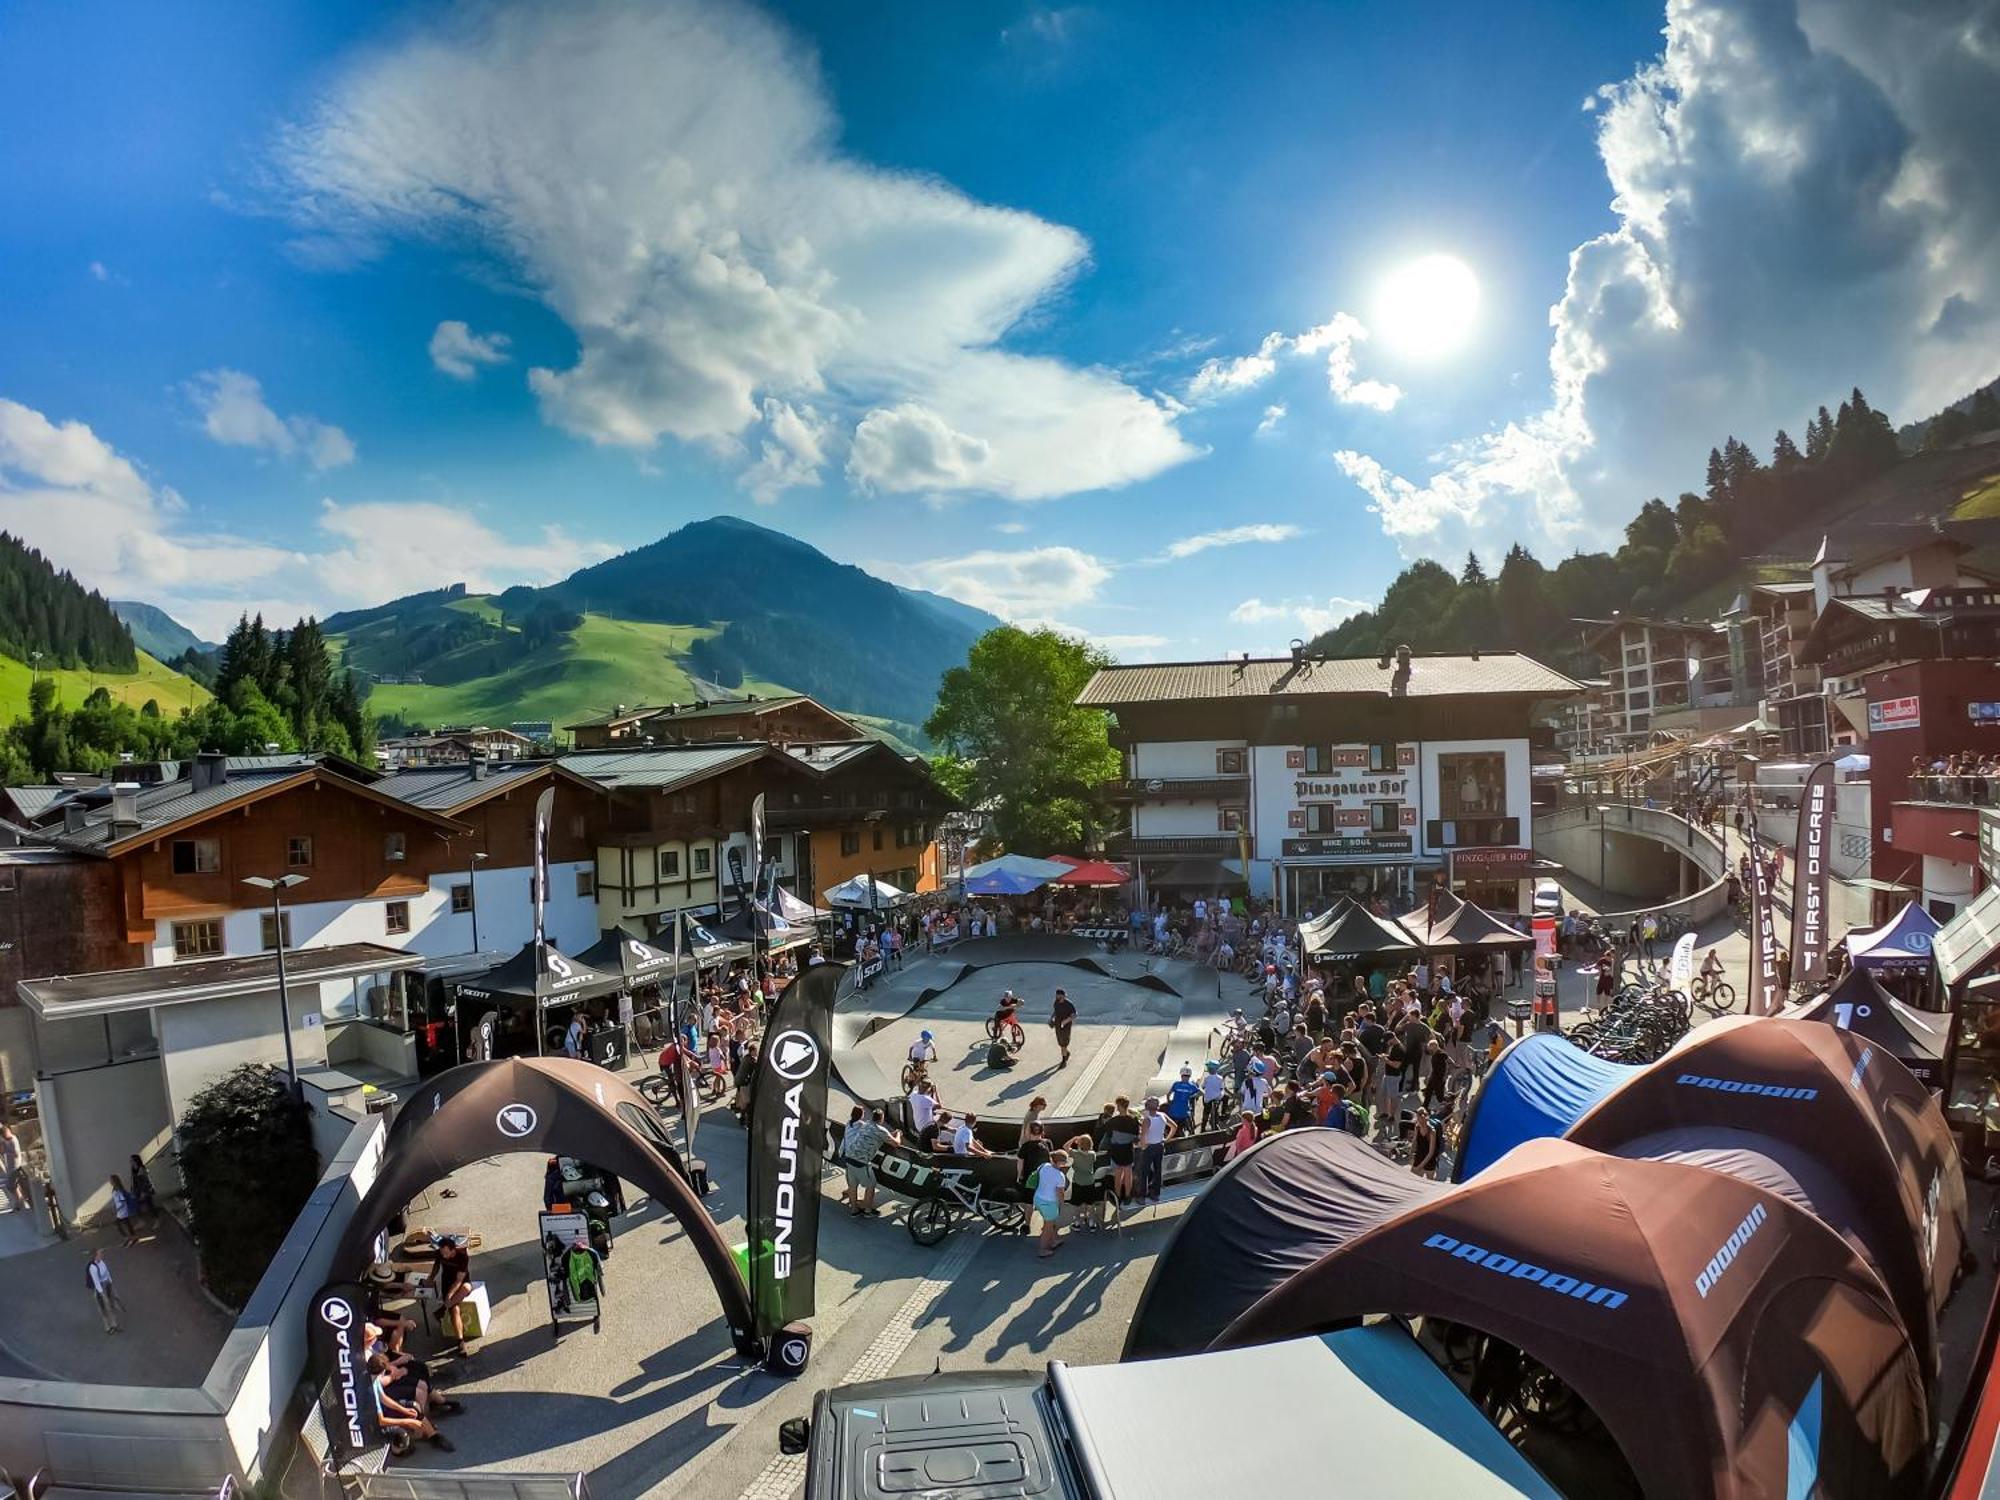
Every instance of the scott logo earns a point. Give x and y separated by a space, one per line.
794 1055
1501 1264
1725 1256
337 1312
515 1120
1741 1086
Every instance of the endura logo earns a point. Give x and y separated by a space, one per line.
1742 1086
1730 1249
1520 1270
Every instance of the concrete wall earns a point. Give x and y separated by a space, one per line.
202 1042
1646 855
93 1120
159 1440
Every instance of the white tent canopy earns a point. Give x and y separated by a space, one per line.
864 890
1025 865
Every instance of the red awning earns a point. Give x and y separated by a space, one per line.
1094 872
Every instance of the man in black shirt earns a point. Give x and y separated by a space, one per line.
1298 1108
1033 1151
1062 1016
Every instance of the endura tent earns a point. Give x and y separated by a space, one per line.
1811 1093
1540 1086
1370 1395
1266 1216
1860 1004
1732 1344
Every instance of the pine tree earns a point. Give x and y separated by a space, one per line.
1819 437
1718 480
1784 455
1472 575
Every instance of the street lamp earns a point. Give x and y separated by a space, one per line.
277 886
1602 809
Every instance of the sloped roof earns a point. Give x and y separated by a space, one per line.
1444 676
448 787
661 766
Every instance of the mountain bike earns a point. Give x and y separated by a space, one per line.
1715 996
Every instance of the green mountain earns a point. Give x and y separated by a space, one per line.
719 604
157 632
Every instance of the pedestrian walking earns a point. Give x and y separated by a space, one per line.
13 1179
97 1274
1062 1017
145 1200
123 1206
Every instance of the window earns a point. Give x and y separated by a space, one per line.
878 837
1319 760
1472 786
298 853
1322 817
396 917
774 850
670 864
197 856
1383 816
197 939
586 882
270 927
1229 819
461 900
704 859
394 849
1381 758
850 843
1229 762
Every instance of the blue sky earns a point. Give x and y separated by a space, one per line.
1076 313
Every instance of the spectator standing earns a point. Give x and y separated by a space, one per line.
1051 1186
123 1206
1181 1097
1121 1144
97 1272
1214 1094
13 1177
859 1146
1155 1130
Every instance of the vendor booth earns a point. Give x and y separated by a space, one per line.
1860 1004
865 891
1267 1215
521 1007
1540 1086
644 968
1465 939
1826 1119
752 924
1349 934
1898 952
1731 1344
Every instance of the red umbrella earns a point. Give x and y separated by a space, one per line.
1093 872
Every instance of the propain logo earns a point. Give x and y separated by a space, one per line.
1744 1086
1726 1253
1501 1264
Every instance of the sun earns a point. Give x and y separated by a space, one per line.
1428 307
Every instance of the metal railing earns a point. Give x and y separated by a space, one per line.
1966 790
1705 849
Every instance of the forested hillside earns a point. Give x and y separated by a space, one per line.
46 612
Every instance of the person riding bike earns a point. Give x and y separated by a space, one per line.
1004 1019
924 1049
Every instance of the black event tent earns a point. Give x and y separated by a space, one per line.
1859 1004
1348 931
1267 1215
542 979
636 962
1456 925
744 924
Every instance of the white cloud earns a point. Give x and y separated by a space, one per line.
234 412
1273 415
1234 536
793 449
93 511
1011 528
459 352
1027 586
1129 642
1311 615
99 271
667 177
911 447
1801 190
1229 376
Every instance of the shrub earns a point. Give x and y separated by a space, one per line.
247 1165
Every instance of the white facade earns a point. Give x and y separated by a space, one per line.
1183 759
506 918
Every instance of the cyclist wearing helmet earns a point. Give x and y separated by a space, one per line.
1010 1003
923 1049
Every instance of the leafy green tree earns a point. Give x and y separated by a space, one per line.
1528 616
247 1165
1036 758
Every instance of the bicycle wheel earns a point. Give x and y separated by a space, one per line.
992 1028
929 1221
1719 999
911 1074
1016 1035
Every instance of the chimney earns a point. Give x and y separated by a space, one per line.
211 768
478 768
124 807
621 711
1298 653
74 819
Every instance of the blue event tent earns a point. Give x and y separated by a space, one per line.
1540 1086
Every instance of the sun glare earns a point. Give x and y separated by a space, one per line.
1427 307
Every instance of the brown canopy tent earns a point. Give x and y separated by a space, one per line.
1860 1004
1853 1129
1348 931
551 1106
1455 925
1732 1345
1266 1216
